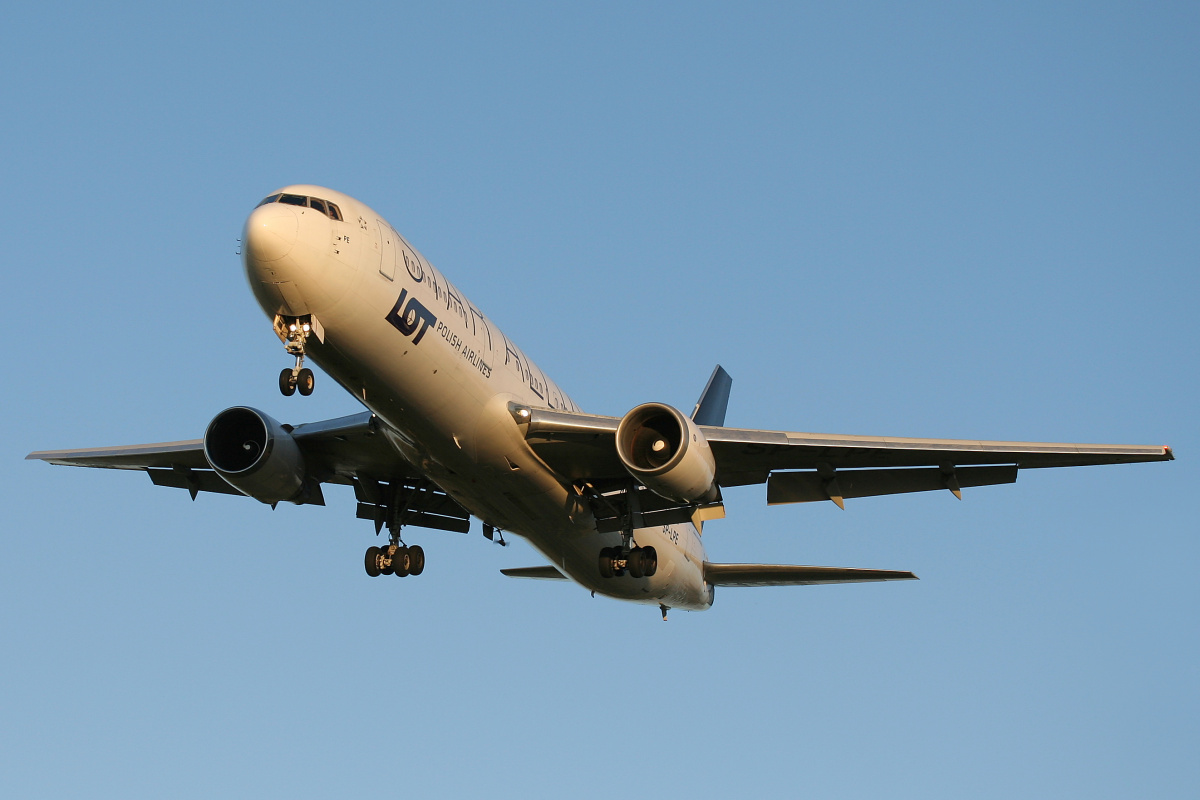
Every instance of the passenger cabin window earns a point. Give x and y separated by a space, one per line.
293 200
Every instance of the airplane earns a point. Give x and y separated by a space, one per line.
461 424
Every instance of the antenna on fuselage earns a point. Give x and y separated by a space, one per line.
491 530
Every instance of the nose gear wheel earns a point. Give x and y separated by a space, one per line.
299 378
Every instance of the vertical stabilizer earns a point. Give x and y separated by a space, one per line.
714 400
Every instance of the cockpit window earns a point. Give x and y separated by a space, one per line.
326 208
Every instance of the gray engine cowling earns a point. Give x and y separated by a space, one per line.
257 456
667 453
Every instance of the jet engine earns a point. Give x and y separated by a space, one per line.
667 453
256 455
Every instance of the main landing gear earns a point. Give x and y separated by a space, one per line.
395 559
298 377
639 562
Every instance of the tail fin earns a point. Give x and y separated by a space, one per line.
714 400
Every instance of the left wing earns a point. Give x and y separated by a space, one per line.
801 467
353 450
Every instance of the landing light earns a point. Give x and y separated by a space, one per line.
292 327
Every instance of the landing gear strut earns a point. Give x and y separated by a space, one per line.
299 376
639 562
396 558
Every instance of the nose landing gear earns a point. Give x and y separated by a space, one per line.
294 332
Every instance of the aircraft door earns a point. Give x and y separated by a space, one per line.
375 243
387 254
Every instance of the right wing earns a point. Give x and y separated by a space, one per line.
335 451
349 450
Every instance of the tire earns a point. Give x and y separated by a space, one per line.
305 381
372 561
605 563
286 387
649 561
402 562
416 560
634 563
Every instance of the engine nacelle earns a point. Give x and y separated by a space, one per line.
256 455
667 453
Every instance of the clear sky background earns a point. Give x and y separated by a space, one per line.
925 219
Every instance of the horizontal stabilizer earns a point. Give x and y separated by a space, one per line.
792 575
546 573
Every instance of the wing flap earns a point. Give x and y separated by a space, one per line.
807 487
192 480
795 575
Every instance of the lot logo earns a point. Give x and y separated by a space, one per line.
414 318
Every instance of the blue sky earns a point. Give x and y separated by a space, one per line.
935 219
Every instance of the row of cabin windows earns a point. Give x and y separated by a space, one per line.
328 209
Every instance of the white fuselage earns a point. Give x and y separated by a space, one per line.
404 341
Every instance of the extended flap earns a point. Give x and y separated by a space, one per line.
807 487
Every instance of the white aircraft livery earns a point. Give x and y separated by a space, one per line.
461 424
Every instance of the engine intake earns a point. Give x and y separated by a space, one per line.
667 453
257 456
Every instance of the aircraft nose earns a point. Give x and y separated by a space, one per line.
271 232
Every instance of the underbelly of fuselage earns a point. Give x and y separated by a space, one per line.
490 471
